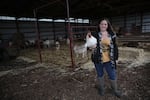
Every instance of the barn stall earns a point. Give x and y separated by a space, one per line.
41 65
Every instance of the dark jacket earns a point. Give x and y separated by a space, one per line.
96 56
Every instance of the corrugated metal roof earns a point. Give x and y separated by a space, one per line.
78 8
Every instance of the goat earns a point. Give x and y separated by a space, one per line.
48 43
80 49
57 44
30 43
68 41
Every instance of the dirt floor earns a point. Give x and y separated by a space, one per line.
58 57
26 79
48 82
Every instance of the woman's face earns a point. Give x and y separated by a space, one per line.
103 25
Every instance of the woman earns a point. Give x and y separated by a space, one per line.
105 55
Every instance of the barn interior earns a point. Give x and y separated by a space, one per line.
37 40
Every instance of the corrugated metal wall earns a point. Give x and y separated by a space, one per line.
7 28
47 29
146 22
139 20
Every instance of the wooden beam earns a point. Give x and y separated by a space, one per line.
38 34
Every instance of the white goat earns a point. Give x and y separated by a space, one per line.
57 44
68 41
80 49
30 43
48 43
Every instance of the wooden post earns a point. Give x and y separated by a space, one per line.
17 25
38 34
54 31
70 34
125 21
141 23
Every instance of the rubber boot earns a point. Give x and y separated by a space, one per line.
115 89
101 85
